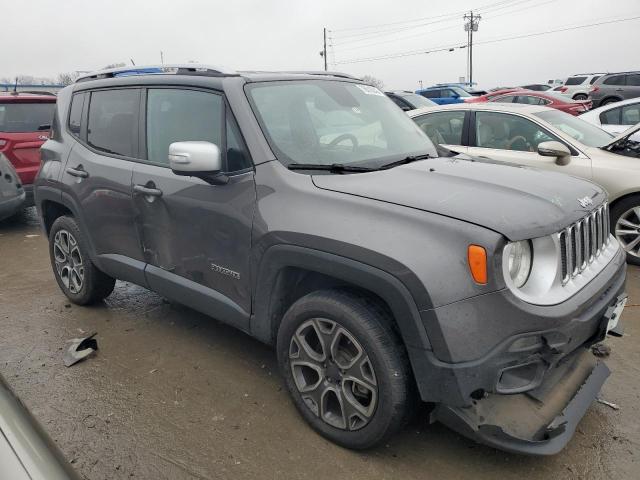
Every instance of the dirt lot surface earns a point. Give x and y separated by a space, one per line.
172 394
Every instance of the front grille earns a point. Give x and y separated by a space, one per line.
582 242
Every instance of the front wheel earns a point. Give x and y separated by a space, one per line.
345 367
625 224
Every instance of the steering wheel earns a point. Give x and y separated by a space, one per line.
342 138
523 143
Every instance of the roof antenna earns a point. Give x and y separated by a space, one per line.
132 62
15 86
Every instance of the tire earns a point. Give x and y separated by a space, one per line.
77 276
607 101
368 350
580 96
624 210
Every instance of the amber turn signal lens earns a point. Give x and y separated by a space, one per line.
477 257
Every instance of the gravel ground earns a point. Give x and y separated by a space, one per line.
172 394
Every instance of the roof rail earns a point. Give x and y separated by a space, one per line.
173 69
307 72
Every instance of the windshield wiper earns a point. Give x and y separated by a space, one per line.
405 160
333 168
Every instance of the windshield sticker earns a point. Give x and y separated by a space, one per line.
369 90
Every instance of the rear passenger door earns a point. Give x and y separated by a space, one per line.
97 176
196 235
632 90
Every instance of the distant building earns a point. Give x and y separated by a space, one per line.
39 88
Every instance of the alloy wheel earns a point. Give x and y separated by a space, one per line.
68 260
333 374
628 231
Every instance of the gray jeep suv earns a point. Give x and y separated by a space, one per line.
309 211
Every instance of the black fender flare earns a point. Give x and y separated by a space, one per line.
373 279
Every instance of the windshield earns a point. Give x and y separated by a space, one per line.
418 101
584 132
332 122
25 117
461 91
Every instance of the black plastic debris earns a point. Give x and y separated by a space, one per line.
600 350
80 349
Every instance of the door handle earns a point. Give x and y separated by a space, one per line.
77 172
152 192
619 89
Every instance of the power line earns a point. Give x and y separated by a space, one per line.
485 42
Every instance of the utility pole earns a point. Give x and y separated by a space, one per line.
420 82
324 49
161 58
470 26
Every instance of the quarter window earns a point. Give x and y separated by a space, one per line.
633 80
443 127
75 115
236 157
176 115
113 121
508 132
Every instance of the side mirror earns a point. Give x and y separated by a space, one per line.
555 149
194 158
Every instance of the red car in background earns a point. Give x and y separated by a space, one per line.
491 95
25 120
531 97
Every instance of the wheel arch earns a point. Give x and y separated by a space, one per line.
617 200
288 272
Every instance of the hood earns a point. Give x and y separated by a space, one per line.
627 133
518 202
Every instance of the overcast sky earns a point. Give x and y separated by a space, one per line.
46 37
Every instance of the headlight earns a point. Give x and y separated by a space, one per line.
519 261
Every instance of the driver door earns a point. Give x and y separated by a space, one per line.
512 138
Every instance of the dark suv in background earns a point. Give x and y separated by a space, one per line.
614 87
309 211
25 120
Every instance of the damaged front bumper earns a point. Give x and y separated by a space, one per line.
539 422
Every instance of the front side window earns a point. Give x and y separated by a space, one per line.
611 117
113 121
19 117
326 122
633 80
177 115
430 93
442 127
582 131
631 114
527 100
508 132
614 80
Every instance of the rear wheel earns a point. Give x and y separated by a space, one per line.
625 224
346 368
607 101
580 96
76 275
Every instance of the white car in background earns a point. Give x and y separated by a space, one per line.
578 87
547 138
615 117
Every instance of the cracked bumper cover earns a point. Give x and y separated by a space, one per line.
540 422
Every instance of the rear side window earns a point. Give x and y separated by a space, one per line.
575 80
503 99
75 114
17 117
614 80
611 117
443 127
528 100
176 115
113 121
631 114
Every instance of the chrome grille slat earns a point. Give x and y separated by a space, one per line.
582 242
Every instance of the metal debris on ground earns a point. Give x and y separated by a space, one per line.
601 350
80 349
615 406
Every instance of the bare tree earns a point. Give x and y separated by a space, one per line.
67 78
116 65
371 80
